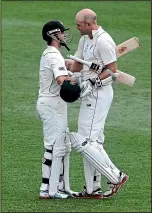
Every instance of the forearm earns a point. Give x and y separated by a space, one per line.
108 70
68 63
60 79
73 66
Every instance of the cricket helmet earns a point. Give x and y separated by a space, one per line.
53 29
69 91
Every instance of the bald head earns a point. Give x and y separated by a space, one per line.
86 15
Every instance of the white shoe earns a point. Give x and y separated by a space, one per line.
113 188
60 195
96 194
44 195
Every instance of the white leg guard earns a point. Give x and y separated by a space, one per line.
89 170
46 169
95 155
66 173
67 162
61 180
113 167
59 149
97 175
64 183
97 180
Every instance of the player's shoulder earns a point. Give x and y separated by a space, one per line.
102 34
104 37
82 38
51 51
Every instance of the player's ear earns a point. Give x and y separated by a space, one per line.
89 24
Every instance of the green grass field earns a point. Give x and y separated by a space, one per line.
127 128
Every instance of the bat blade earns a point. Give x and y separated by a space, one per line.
125 78
127 46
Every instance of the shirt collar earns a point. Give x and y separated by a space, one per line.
95 32
53 48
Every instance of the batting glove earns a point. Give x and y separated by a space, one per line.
86 88
97 82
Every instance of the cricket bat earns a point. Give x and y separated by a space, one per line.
121 49
127 46
123 77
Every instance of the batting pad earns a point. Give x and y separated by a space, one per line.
46 170
66 172
96 156
59 150
89 170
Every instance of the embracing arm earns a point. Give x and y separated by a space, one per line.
73 66
60 79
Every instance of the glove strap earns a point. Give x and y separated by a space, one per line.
96 81
92 81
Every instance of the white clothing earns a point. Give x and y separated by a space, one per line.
53 114
51 108
95 106
100 49
93 112
52 65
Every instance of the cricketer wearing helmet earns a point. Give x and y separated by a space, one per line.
96 46
53 114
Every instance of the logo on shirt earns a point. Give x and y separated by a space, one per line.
88 105
84 143
61 68
91 47
86 48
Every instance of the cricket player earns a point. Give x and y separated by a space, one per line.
97 46
53 113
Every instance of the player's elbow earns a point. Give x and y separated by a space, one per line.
112 66
68 63
76 67
60 79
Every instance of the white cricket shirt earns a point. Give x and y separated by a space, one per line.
100 49
52 65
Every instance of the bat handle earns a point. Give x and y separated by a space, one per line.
70 56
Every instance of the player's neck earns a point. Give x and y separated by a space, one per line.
55 44
94 27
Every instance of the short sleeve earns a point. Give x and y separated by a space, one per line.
56 64
107 50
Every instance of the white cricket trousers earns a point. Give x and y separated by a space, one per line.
53 113
93 112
